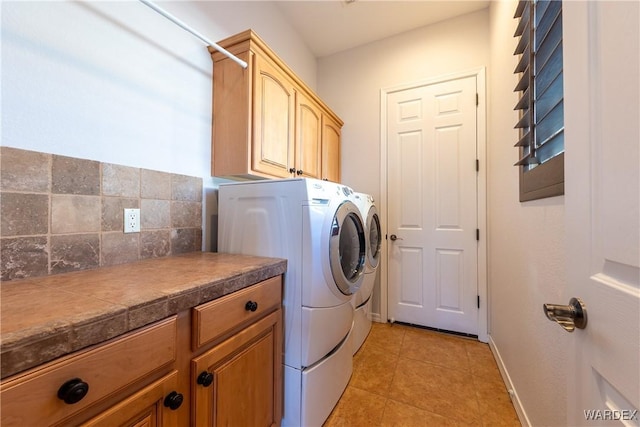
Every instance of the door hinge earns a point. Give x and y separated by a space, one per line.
477 234
477 165
478 301
477 99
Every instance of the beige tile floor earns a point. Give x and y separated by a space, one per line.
406 376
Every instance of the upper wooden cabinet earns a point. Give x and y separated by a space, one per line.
266 121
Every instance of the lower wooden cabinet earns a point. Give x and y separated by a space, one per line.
218 364
69 389
238 381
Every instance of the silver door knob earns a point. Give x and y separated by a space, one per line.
570 316
393 237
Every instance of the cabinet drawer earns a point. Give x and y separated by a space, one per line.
32 398
217 318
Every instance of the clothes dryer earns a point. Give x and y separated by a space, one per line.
320 232
362 298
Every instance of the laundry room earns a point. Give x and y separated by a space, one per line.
227 212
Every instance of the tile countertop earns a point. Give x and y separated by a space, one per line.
46 317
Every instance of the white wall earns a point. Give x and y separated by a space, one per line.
526 250
118 83
350 82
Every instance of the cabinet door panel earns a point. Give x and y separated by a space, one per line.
244 387
143 409
273 111
330 149
247 378
308 143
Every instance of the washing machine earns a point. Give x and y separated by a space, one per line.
319 230
362 298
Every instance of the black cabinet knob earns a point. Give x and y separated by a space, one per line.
292 170
299 172
251 306
205 378
173 400
73 391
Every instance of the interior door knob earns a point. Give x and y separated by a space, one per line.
570 316
393 238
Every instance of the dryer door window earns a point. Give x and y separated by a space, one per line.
347 248
375 241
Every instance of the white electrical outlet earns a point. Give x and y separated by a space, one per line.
132 220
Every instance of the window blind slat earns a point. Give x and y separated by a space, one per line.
549 125
524 61
524 23
541 6
525 141
523 83
523 104
529 159
551 148
549 98
522 5
524 122
545 17
551 70
523 43
549 44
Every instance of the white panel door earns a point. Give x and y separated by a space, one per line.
602 97
432 205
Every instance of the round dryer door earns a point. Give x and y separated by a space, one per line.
375 240
347 248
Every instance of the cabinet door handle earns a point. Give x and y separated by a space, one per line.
292 170
173 400
205 379
251 306
299 172
73 391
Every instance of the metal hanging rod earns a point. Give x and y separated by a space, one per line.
188 29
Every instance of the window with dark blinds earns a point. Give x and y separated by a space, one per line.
541 120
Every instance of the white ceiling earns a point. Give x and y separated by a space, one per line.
331 26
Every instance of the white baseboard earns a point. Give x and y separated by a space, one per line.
375 317
522 415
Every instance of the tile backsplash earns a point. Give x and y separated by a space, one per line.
61 214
